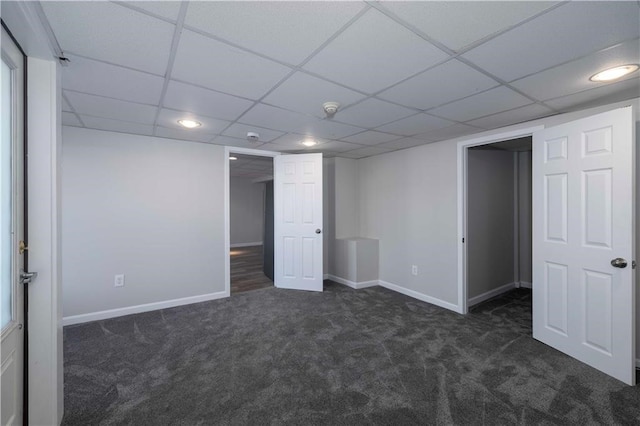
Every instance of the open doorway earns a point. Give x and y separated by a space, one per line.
250 222
496 229
498 218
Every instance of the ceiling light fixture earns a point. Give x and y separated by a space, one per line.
309 142
233 158
614 73
189 124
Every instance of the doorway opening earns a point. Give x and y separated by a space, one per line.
250 222
499 231
251 172
509 144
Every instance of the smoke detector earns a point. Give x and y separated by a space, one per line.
330 108
253 136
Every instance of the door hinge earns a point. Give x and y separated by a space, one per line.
27 277
22 247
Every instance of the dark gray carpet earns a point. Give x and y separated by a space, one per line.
344 356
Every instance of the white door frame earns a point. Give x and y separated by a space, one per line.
227 234
462 166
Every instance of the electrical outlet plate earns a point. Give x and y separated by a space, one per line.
119 281
414 269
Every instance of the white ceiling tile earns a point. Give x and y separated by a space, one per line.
99 78
116 34
450 132
419 123
403 143
514 116
169 118
327 129
304 93
288 31
574 76
370 137
457 24
565 33
602 95
194 99
70 119
183 135
240 131
218 66
372 113
374 53
279 148
273 118
258 165
337 146
367 151
166 9
114 109
240 143
490 102
116 125
444 83
295 140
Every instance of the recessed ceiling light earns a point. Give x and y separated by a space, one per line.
614 73
189 124
309 142
233 158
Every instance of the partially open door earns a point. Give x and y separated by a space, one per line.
583 226
298 221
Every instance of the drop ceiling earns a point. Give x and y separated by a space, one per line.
405 73
251 167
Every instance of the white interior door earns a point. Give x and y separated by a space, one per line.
11 232
584 300
298 221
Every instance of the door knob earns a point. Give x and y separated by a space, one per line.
619 262
318 231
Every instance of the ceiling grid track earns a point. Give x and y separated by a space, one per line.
172 57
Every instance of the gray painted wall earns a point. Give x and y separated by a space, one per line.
246 211
524 216
408 201
329 212
347 198
490 217
147 207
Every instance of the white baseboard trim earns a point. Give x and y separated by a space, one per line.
353 284
491 293
525 284
255 243
113 313
326 276
419 296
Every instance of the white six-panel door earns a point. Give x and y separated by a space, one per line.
11 232
583 196
298 221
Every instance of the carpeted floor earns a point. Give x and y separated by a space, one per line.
343 356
